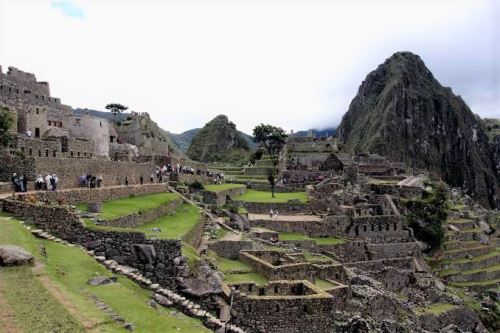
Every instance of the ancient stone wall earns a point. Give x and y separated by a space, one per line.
230 249
113 172
159 260
219 197
292 271
90 128
89 195
307 312
283 208
195 235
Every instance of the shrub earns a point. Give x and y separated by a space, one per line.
427 216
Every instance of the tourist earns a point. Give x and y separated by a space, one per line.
93 182
24 183
276 213
99 180
28 133
141 180
39 183
53 182
15 181
47 182
152 178
87 180
271 213
126 181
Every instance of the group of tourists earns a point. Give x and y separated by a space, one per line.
47 182
90 181
274 213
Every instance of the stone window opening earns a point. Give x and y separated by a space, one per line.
91 155
46 153
262 292
30 152
373 227
380 227
249 308
71 153
78 154
250 288
277 308
100 124
77 121
395 226
54 153
364 228
275 289
305 308
37 111
39 153
85 154
387 226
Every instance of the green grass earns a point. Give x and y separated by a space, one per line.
487 269
117 208
476 284
257 278
292 236
435 309
69 268
220 233
494 253
230 266
191 254
324 285
261 196
173 226
222 187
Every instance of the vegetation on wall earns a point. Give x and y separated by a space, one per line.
6 121
428 215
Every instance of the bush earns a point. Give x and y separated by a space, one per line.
196 186
428 215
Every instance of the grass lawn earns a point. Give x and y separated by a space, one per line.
55 297
222 187
291 236
173 226
324 285
230 266
436 308
261 196
257 278
121 207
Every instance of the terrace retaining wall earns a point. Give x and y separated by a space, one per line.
159 260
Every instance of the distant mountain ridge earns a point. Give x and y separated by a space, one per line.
318 133
219 141
403 112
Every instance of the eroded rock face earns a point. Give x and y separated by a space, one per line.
402 111
11 255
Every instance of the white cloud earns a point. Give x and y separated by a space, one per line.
294 64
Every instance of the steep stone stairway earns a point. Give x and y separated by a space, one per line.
470 257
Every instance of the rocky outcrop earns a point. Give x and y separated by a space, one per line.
402 111
11 255
492 128
218 141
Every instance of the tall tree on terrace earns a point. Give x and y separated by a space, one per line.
272 139
5 123
116 108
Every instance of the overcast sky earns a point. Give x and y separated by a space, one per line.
296 64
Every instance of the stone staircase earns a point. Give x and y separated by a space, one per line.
470 257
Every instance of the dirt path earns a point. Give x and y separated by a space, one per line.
284 218
90 325
8 322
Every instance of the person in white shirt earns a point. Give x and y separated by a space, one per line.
28 133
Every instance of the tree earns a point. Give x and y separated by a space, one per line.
428 215
116 108
272 139
6 121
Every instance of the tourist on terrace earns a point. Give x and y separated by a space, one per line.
126 181
15 181
39 183
152 178
53 182
99 181
271 213
24 183
28 133
48 182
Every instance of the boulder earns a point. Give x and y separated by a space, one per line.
101 280
11 255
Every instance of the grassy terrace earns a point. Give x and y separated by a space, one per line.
222 187
172 226
435 309
285 236
236 271
53 295
265 197
121 207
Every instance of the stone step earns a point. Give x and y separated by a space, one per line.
454 244
464 235
462 253
478 262
476 275
462 224
486 284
